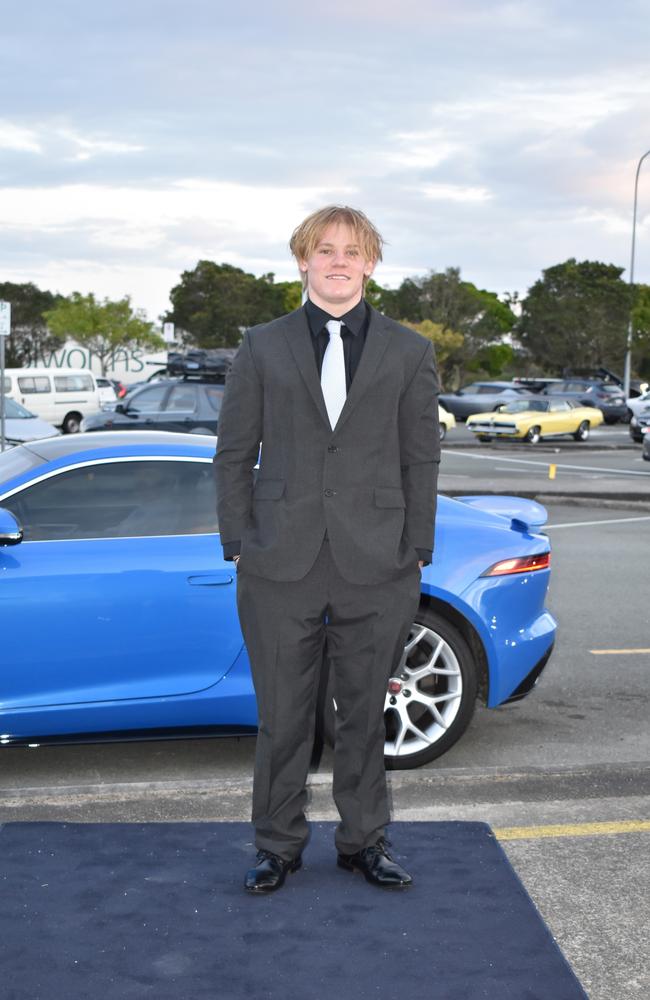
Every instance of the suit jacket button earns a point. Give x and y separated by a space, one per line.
332 447
329 493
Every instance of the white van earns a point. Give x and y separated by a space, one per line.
62 396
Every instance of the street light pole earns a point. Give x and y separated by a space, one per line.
628 352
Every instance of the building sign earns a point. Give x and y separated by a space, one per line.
126 364
5 319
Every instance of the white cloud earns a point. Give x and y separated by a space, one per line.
17 137
87 147
263 210
455 192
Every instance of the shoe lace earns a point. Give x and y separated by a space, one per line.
381 847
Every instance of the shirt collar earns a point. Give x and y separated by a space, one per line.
353 320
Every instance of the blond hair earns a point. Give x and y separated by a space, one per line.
306 237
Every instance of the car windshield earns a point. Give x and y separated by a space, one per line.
14 411
524 405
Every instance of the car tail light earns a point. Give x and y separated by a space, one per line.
521 564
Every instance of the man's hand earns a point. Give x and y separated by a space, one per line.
236 559
420 563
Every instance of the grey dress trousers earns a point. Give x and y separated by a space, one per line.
329 530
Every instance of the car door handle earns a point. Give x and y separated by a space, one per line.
211 580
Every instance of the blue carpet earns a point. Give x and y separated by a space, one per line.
131 911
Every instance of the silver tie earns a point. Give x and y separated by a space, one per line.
332 376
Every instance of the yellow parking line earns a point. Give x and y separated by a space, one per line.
571 830
617 652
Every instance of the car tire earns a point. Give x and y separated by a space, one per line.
433 644
72 423
533 435
582 433
431 637
443 431
483 437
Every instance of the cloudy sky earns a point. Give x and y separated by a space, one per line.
139 137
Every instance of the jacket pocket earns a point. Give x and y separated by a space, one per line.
389 496
269 489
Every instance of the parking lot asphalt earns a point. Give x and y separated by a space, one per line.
609 467
563 777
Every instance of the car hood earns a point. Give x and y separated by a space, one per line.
508 417
28 429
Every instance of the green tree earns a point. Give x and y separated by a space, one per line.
101 326
291 295
214 302
575 317
443 298
30 336
446 342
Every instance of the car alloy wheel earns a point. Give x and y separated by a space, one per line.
582 433
534 435
443 431
431 696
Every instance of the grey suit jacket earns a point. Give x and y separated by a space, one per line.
370 482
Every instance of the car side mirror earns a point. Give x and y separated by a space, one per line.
120 408
11 532
459 392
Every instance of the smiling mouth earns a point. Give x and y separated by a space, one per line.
337 277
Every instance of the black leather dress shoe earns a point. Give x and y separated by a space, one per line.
269 872
377 866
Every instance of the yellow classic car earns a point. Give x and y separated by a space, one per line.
446 420
533 419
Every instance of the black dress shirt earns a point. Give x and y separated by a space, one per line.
353 334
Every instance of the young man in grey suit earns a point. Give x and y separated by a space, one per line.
329 539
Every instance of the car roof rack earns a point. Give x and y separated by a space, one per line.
211 364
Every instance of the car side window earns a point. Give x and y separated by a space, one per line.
148 400
119 500
73 383
38 383
182 397
214 396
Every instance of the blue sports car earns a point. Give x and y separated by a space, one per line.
119 618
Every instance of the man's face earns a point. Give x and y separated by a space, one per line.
336 269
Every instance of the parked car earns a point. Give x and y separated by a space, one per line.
446 422
21 425
639 407
106 389
190 405
533 419
639 427
60 396
609 398
480 396
646 441
109 543
119 388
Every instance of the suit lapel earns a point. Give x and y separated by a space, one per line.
298 335
299 338
373 351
